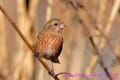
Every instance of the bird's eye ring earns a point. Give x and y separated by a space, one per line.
55 24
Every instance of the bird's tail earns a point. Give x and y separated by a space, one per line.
55 60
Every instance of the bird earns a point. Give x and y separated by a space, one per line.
49 41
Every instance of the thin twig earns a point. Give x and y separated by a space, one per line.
27 43
100 58
61 73
87 21
98 54
86 25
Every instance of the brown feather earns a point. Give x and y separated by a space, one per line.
49 42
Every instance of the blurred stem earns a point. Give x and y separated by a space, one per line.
49 10
112 16
83 15
100 58
3 50
27 43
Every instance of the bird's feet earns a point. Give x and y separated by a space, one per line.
36 54
51 72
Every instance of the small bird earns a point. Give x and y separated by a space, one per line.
50 40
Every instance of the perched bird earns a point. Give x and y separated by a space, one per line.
50 40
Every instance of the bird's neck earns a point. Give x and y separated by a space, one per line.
53 31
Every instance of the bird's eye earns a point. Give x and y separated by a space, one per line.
55 24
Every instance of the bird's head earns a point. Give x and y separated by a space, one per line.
54 25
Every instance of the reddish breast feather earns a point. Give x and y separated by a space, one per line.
56 45
42 42
48 40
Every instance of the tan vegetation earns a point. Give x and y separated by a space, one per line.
91 39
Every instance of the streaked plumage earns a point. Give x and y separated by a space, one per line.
49 41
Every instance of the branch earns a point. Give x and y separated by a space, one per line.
100 58
98 54
51 73
80 8
86 24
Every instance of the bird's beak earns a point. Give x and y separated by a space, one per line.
62 25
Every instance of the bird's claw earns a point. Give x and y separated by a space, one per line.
36 54
51 73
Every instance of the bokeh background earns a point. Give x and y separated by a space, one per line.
83 18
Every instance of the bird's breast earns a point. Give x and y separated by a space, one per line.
48 44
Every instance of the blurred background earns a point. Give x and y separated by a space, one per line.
83 18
